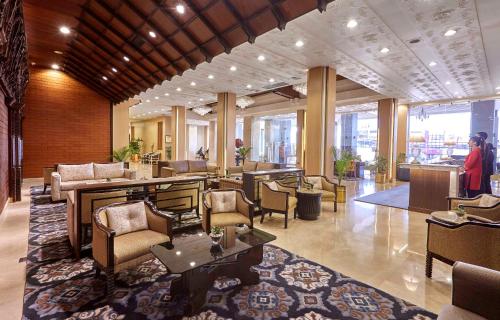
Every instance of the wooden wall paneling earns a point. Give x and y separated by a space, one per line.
160 138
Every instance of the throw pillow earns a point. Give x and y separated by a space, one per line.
127 218
316 182
108 170
488 201
75 172
223 201
273 186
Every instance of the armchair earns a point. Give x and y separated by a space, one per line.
179 198
475 293
277 198
328 188
484 206
226 207
122 235
471 242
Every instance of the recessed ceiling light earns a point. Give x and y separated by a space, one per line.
249 86
180 8
114 70
352 24
152 34
189 102
210 76
178 89
166 94
456 93
450 33
271 80
201 99
105 78
233 68
299 43
126 58
162 109
384 50
432 63
55 66
33 63
149 112
261 58
156 98
497 88
58 52
459 97
148 100
64 30
193 83
448 83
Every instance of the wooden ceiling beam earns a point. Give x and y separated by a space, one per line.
280 19
89 84
246 28
90 81
209 26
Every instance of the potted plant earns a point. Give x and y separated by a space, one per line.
243 152
134 147
120 155
168 152
402 174
381 169
216 234
342 162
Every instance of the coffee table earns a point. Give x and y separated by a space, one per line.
308 204
199 263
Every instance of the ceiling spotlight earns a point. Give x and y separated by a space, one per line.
261 58
249 86
64 30
189 102
299 43
33 63
210 76
459 97
166 94
152 34
126 58
201 99
58 52
450 33
233 68
178 89
456 93
193 83
180 8
497 88
498 92
114 70
384 50
55 66
156 98
148 100
352 24
432 64
448 83
105 78
271 80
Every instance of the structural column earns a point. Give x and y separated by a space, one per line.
401 133
320 121
247 131
226 125
387 113
212 141
178 127
299 150
121 123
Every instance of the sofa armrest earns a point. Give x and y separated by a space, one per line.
291 190
167 172
476 289
454 202
274 200
159 221
55 186
212 168
328 185
102 241
244 205
233 170
130 174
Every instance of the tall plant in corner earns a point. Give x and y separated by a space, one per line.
135 146
121 154
243 152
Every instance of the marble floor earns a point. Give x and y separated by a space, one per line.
381 246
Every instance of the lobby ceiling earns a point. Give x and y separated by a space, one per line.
419 64
123 47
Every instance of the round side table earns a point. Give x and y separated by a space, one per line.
308 204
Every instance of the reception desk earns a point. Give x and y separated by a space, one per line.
432 184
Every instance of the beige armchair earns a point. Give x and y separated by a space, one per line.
186 168
471 242
484 206
226 207
277 198
252 166
327 187
475 294
123 234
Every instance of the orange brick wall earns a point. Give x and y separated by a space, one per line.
4 153
65 122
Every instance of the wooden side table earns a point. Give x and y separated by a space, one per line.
308 204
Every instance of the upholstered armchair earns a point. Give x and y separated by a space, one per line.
179 198
279 199
226 207
483 206
122 235
327 187
475 293
472 242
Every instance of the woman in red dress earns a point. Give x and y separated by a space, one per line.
473 168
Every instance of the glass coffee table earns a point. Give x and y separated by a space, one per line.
199 263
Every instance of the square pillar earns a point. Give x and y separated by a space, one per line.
301 118
226 126
401 133
387 114
320 121
178 127
247 131
212 140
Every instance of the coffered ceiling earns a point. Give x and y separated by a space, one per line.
421 63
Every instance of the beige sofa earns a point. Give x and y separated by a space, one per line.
69 176
186 168
253 166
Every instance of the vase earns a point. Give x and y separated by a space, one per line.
216 238
341 194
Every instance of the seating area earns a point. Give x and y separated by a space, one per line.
291 159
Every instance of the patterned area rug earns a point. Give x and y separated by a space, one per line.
291 287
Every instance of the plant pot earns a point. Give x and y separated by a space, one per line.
216 238
135 158
380 178
341 194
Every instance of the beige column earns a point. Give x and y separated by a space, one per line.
212 142
401 133
320 121
387 113
247 131
121 123
301 117
178 130
226 125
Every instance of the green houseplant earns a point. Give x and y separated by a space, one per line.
216 234
243 152
120 155
342 161
135 146
381 169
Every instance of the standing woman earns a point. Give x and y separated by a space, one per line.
473 168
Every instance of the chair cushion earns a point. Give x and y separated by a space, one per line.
180 166
135 244
316 182
451 312
249 165
72 172
127 218
273 185
223 201
292 202
197 166
265 166
108 170
327 195
228 219
488 200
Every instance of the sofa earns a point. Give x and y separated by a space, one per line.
186 168
253 166
68 176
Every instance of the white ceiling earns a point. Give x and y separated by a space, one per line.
469 60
